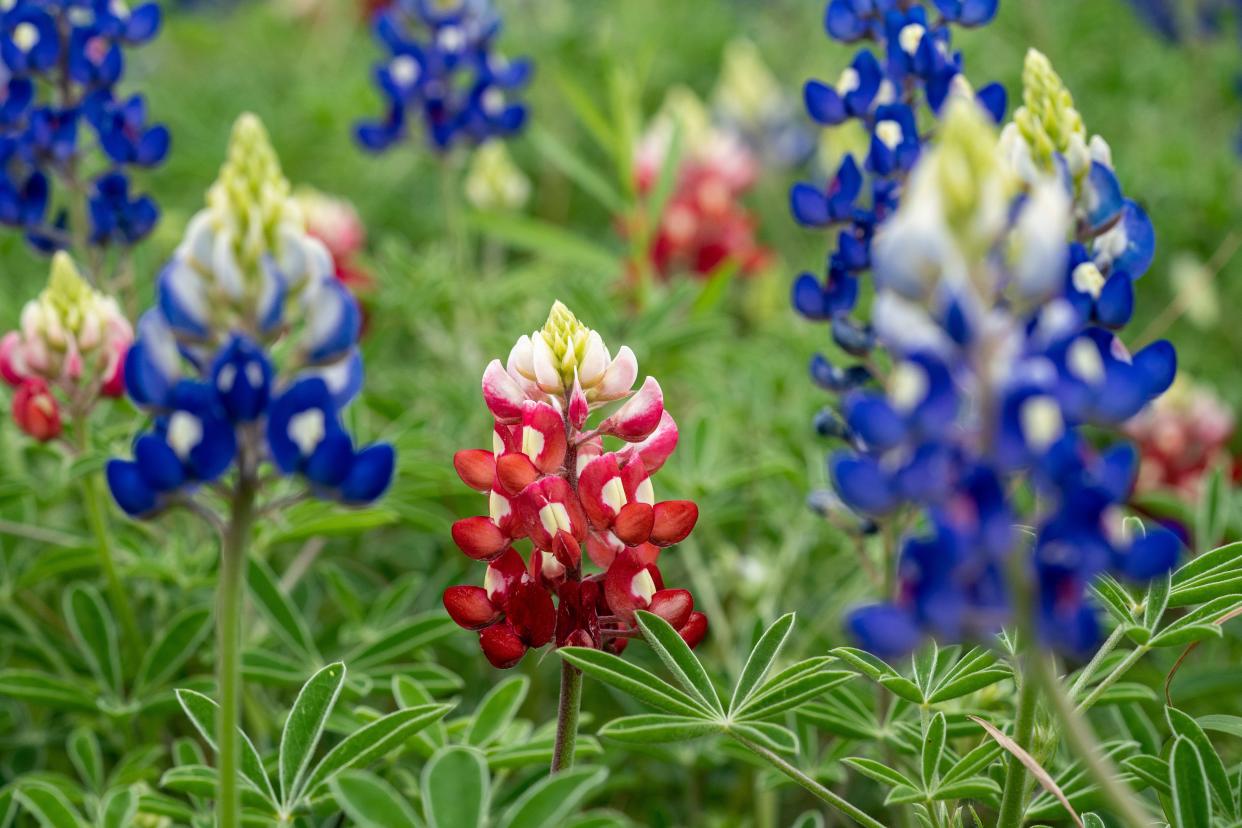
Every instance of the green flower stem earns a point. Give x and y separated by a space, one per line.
844 806
1013 805
1124 805
1112 678
229 604
567 717
96 519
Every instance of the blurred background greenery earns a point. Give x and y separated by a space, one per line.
732 361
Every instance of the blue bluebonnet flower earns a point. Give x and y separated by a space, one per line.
442 68
62 62
246 284
1003 266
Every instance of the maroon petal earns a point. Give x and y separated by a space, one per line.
633 526
469 607
479 538
694 630
502 646
674 520
673 605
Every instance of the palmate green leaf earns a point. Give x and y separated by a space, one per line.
549 801
94 631
370 802
118 808
202 712
1186 727
790 695
658 727
1127 692
679 659
496 711
1188 788
48 805
166 806
637 682
772 736
373 741
267 667
1149 769
879 772
975 760
840 714
1209 576
810 819
760 661
409 693
864 662
398 640
933 749
1221 723
201 781
902 687
181 637
1092 821
278 610
1115 598
44 690
1156 601
456 788
1190 627
304 727
87 758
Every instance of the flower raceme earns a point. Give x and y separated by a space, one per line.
247 285
550 479
71 342
443 67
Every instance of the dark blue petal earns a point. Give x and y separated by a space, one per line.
128 488
242 376
1154 554
809 206
1115 305
1103 196
370 474
158 464
862 484
808 297
1157 363
995 100
143 23
874 421
843 22
823 103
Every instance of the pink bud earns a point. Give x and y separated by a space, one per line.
502 394
469 607
629 584
479 537
619 378
10 347
476 468
542 436
639 416
658 445
579 408
114 371
36 411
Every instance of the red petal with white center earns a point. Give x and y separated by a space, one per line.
502 646
532 614
633 526
514 472
639 416
551 570
694 630
503 576
549 506
479 538
618 379
542 436
602 491
500 507
501 393
629 585
476 468
674 520
469 607
567 550
658 445
673 605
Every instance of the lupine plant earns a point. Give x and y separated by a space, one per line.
549 479
245 363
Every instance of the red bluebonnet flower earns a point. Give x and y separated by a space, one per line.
1181 437
705 222
335 222
550 480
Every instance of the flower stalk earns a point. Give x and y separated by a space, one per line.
567 713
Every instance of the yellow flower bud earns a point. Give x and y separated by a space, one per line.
494 182
1047 118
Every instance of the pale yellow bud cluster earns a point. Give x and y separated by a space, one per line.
1047 119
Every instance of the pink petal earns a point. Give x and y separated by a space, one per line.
639 416
501 393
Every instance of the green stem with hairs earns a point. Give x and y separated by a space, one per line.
567 713
1013 803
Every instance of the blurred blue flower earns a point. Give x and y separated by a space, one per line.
61 63
442 69
1003 263
250 353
